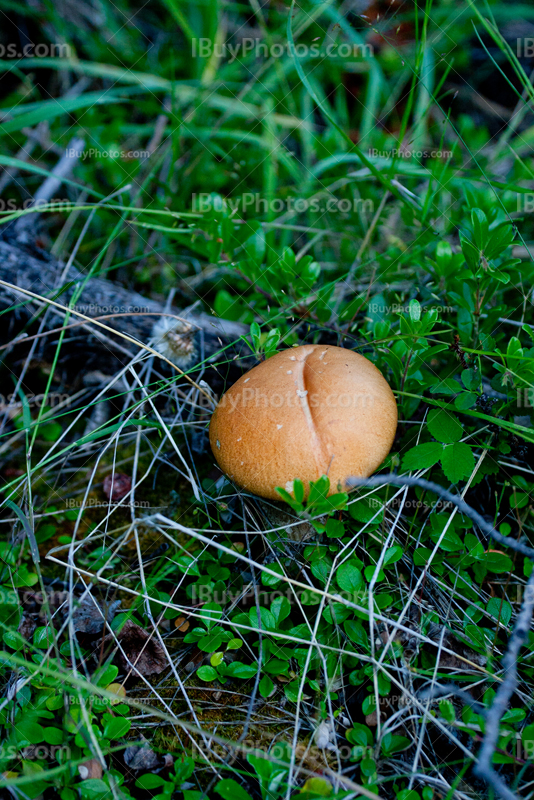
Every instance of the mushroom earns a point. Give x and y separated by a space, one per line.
305 412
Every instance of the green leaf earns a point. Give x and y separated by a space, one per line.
336 612
284 494
408 794
450 542
471 379
49 109
206 673
514 715
476 637
499 239
321 570
261 764
45 533
280 609
266 687
391 744
271 342
188 565
23 577
50 431
254 246
318 489
364 509
183 769
211 642
444 426
14 640
150 781
471 254
319 787
480 227
498 562
447 710
115 727
55 702
393 554
465 400
53 735
335 528
93 789
500 609
227 306
106 675
216 659
239 670
291 691
213 612
448 386
255 333
271 580
356 632
443 256
349 577
360 734
370 573
194 635
457 461
267 621
276 666
422 456
527 737
298 490
231 790
28 731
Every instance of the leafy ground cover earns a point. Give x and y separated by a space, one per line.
355 174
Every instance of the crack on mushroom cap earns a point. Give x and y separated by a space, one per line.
320 456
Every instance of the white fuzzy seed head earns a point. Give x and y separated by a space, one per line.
174 339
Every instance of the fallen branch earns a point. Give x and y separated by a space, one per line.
38 272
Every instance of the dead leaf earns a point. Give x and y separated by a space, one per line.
116 486
88 616
13 472
118 689
143 652
143 758
27 626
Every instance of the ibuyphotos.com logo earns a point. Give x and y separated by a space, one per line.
250 202
206 48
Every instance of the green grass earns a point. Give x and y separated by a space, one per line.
378 198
